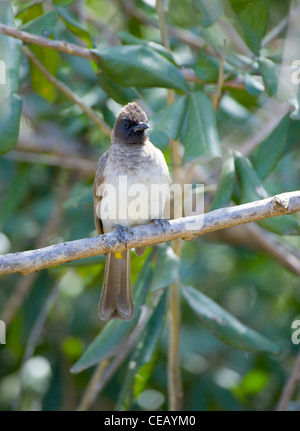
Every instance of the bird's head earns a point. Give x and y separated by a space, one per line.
130 125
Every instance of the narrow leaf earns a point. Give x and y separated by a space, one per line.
120 94
10 114
129 39
201 133
167 122
225 326
225 186
166 270
271 149
143 355
210 11
41 26
270 72
252 16
10 54
139 66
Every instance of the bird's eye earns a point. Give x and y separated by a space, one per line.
126 124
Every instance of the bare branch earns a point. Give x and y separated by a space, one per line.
187 228
58 45
290 386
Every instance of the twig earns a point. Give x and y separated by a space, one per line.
235 38
58 45
74 163
67 92
187 228
220 83
88 396
174 372
289 387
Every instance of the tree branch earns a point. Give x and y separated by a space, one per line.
58 45
187 228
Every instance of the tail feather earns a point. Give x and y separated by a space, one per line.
116 298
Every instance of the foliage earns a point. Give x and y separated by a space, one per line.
233 288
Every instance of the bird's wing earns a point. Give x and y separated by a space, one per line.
99 179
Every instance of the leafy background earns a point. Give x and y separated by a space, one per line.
239 295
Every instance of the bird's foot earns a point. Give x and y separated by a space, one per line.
162 222
122 231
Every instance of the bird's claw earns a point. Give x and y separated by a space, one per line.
121 233
162 222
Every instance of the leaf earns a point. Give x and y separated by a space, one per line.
141 363
225 186
269 152
10 114
41 26
201 137
74 26
270 72
50 60
166 271
167 122
63 2
253 85
129 39
252 189
210 11
10 54
207 68
120 94
225 326
252 16
107 343
139 66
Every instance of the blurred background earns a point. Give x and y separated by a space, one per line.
217 81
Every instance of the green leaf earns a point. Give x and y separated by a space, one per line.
210 11
129 39
167 122
63 2
253 85
74 26
225 186
50 60
269 152
201 137
120 94
10 114
142 361
10 54
225 326
41 26
108 342
252 189
252 16
270 72
139 66
166 270
207 68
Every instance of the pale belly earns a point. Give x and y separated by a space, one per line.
131 200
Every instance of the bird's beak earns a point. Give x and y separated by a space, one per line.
140 126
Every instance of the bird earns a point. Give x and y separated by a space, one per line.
131 161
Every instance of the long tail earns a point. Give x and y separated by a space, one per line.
116 297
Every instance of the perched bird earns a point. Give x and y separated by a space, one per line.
131 161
